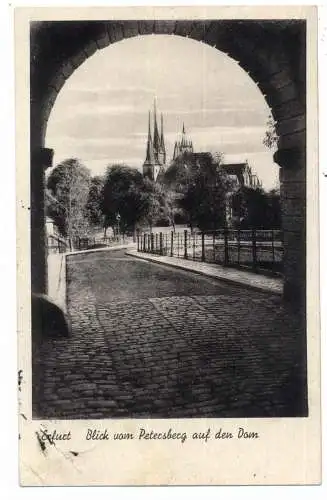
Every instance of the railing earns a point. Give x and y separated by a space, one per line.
92 242
56 244
254 249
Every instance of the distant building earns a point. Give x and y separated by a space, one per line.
184 145
155 159
242 174
185 160
51 228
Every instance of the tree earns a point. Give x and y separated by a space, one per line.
255 208
94 201
124 193
204 187
154 202
274 215
171 208
69 184
271 138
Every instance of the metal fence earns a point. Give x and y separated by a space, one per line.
57 244
88 243
254 249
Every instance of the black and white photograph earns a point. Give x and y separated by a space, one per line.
168 221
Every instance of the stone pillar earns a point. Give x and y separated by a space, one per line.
41 159
293 200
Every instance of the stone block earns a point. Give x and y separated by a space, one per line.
90 48
288 109
292 140
293 223
296 190
164 27
290 125
130 28
293 207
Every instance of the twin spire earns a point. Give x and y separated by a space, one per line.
155 160
155 150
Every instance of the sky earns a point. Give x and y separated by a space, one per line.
101 113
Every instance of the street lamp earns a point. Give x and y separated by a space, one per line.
118 222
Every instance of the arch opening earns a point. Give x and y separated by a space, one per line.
272 53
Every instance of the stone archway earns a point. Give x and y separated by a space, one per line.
273 53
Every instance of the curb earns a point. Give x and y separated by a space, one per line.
225 279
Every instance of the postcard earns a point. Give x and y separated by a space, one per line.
167 242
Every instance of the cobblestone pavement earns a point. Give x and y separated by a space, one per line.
150 341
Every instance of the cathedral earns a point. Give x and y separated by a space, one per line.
155 164
155 160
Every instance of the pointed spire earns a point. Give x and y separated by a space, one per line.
183 142
156 138
175 151
162 141
149 148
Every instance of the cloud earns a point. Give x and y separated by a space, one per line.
83 109
84 93
101 114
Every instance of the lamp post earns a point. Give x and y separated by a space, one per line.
118 223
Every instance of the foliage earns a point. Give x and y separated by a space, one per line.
271 138
274 212
68 187
125 196
203 186
94 201
255 208
154 199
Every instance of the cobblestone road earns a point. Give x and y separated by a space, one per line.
152 341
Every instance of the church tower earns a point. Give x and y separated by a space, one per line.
155 160
184 145
162 148
149 158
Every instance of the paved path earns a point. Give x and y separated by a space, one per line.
227 274
153 341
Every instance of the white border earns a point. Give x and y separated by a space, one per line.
8 345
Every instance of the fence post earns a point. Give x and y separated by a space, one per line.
161 246
254 249
214 246
238 245
202 246
152 242
193 246
273 246
226 259
171 243
185 243
144 240
138 242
